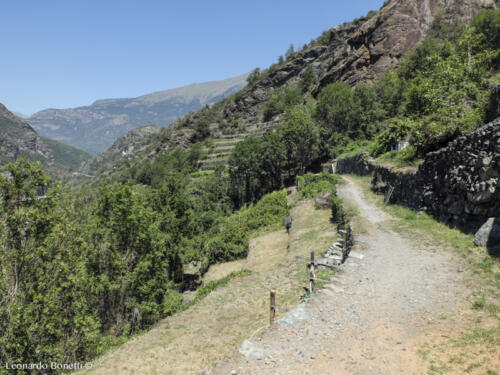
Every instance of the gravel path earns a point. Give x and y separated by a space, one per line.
386 301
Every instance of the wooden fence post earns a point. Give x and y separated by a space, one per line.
311 273
272 307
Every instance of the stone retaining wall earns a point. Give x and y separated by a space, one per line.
458 184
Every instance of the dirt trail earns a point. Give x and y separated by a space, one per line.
387 300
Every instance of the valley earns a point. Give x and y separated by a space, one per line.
157 253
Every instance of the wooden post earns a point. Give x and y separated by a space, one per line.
272 307
311 273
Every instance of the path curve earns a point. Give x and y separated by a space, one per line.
374 315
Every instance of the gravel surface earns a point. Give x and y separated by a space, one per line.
387 299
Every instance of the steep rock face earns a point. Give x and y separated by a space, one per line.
17 138
356 52
378 45
94 128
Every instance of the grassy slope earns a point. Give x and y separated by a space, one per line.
68 157
474 347
217 325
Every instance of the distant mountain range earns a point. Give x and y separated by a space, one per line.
94 128
17 138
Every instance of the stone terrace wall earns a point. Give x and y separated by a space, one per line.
358 164
461 180
457 184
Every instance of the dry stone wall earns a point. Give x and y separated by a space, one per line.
457 184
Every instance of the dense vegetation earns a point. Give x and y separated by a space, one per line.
77 266
80 265
439 92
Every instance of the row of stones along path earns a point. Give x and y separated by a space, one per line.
372 318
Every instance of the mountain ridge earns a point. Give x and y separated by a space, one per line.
95 127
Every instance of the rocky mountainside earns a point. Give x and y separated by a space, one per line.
94 128
352 52
357 51
125 146
17 138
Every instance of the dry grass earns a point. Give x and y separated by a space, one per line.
217 325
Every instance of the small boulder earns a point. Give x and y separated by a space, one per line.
489 234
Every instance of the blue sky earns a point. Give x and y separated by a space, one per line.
68 53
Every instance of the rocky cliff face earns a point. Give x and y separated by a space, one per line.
357 52
17 138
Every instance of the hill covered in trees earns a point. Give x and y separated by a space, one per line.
111 255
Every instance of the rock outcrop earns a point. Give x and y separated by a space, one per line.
17 138
126 146
357 51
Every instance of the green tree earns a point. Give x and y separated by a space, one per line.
254 77
273 160
308 79
368 111
300 136
282 100
390 91
44 315
334 108
245 166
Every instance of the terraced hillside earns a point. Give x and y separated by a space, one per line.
219 147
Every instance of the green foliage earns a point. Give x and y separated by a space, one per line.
43 281
311 185
245 170
487 25
395 131
231 240
76 269
323 39
337 209
300 136
308 79
281 101
390 88
334 108
201 130
254 77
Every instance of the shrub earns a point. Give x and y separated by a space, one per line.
337 209
311 185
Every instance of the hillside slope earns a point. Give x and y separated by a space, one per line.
353 52
94 128
17 138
